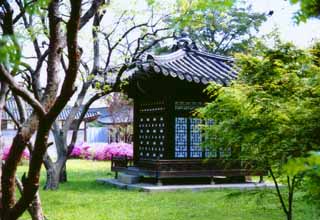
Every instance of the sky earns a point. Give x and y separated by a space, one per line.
301 35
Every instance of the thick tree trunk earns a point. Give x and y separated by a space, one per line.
56 171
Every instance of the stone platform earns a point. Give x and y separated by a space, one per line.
167 188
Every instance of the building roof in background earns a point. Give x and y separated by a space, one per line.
122 116
12 107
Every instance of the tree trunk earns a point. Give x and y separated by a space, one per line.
35 209
63 174
56 174
3 91
56 171
53 176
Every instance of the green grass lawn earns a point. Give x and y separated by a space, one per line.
83 198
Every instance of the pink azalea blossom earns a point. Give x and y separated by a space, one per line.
102 151
6 151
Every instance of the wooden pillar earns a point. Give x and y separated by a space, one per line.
135 131
169 117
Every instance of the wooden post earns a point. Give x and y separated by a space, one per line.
261 179
169 120
135 132
212 181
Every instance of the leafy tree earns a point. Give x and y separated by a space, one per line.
270 114
308 9
226 32
190 12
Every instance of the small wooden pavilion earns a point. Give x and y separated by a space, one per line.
167 140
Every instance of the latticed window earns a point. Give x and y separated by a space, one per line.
188 138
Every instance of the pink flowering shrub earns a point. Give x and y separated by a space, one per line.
6 150
101 151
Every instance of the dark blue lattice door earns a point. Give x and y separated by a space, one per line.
181 137
188 138
195 138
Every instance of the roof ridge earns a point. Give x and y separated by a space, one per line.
170 56
211 55
184 51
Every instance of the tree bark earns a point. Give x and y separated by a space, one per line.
3 91
35 209
53 176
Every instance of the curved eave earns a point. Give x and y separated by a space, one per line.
189 65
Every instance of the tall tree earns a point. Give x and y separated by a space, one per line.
270 114
46 107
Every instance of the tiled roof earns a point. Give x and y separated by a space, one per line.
12 106
190 64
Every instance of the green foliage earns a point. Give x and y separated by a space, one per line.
226 32
304 164
310 167
36 7
315 51
151 2
97 85
10 52
308 9
272 111
271 114
190 12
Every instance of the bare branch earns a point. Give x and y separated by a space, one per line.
5 76
96 4
15 121
116 25
21 109
83 113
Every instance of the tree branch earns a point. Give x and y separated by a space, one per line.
278 192
6 77
96 4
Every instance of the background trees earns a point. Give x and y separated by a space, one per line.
308 9
226 32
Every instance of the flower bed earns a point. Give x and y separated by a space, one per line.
89 151
101 151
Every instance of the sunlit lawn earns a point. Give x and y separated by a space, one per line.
83 198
